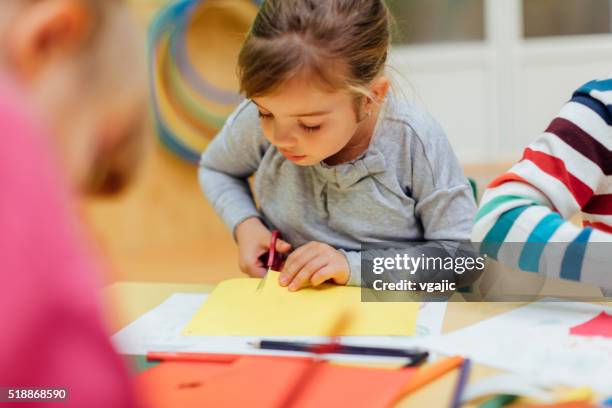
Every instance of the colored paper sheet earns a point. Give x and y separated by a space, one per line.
270 382
600 325
238 308
160 330
534 341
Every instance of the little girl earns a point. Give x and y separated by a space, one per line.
339 159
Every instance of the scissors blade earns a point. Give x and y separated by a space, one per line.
272 260
262 282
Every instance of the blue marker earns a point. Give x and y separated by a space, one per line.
461 383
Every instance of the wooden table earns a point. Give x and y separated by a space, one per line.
133 299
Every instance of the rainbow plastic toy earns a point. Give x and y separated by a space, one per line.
193 46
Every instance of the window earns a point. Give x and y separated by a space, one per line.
437 21
544 18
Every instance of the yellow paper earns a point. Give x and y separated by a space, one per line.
237 307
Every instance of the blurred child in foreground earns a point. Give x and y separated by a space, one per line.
71 112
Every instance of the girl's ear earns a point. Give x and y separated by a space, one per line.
378 91
379 88
45 31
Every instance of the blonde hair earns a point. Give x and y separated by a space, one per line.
344 43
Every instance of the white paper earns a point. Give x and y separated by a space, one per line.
160 330
534 341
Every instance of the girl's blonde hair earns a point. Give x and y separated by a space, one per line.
344 43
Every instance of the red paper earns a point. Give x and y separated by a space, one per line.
600 325
270 382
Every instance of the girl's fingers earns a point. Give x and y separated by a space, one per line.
282 246
252 264
302 278
258 272
296 261
256 268
324 274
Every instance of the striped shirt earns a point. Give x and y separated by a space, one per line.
566 171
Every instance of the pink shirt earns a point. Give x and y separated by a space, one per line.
51 330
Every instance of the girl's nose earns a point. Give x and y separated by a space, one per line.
283 138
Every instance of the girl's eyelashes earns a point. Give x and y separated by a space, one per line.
310 128
305 127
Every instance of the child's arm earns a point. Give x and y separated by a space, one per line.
562 173
230 159
445 202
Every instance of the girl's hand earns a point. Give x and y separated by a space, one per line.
253 241
312 264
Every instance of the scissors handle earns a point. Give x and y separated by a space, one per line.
272 258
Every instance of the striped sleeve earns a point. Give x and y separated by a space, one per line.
522 219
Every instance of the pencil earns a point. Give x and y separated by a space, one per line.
412 354
192 357
464 374
430 373
313 367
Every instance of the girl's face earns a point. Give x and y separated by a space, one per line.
308 124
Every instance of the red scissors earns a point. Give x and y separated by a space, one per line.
275 260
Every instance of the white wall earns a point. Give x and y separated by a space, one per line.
495 97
